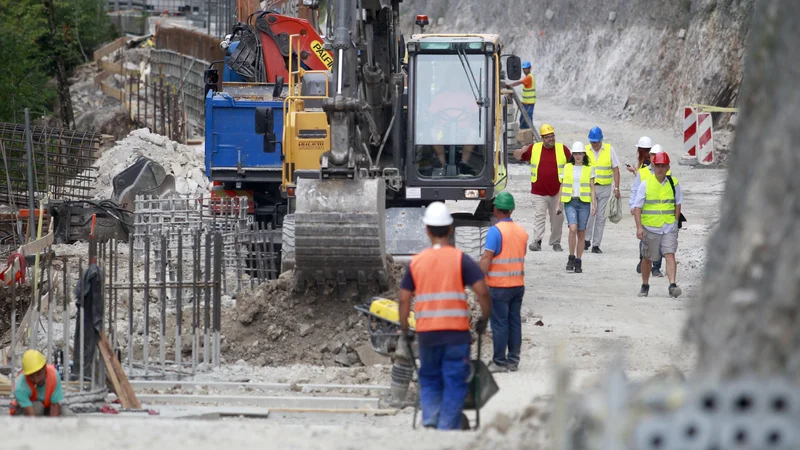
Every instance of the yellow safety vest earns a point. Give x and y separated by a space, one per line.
645 173
603 172
659 203
536 154
529 94
567 183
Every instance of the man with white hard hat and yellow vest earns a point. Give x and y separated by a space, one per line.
603 158
37 391
503 262
547 161
657 210
435 278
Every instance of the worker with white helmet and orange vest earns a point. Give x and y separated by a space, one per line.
657 210
435 278
37 391
547 160
503 262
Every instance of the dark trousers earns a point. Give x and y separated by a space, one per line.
506 322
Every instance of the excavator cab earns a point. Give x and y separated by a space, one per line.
456 119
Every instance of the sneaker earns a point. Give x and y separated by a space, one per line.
674 290
535 246
645 290
557 248
639 267
587 244
578 266
657 273
596 249
496 368
513 367
570 263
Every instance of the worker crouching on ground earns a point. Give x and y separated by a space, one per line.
657 208
503 262
436 278
547 161
37 391
579 200
604 159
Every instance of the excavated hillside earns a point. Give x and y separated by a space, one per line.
638 59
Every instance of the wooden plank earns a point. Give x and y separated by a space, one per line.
119 380
99 78
112 91
115 67
110 48
38 246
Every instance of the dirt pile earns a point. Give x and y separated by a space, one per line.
185 163
275 326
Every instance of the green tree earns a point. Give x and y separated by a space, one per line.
28 51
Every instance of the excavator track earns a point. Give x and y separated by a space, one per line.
339 228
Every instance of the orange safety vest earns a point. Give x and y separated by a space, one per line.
50 383
440 301
507 268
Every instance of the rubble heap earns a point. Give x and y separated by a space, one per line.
184 162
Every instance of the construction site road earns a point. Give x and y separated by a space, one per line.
591 314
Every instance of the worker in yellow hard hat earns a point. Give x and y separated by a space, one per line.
547 160
38 388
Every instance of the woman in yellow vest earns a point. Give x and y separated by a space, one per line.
578 201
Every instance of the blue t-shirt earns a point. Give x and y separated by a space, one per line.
471 273
494 240
22 392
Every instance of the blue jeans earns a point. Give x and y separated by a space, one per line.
577 213
656 264
529 110
443 374
506 324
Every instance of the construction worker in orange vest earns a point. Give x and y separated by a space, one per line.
37 391
503 262
436 278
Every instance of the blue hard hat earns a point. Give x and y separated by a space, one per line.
595 134
526 65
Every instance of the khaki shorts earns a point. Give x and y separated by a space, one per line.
655 245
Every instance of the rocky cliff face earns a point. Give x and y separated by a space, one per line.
639 59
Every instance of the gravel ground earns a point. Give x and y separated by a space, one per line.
591 315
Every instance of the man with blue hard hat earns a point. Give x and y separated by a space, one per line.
603 158
528 93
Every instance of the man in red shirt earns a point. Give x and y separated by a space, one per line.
547 160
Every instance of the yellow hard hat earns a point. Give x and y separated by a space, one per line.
546 129
32 362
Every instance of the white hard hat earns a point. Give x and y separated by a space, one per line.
645 142
656 149
577 147
437 215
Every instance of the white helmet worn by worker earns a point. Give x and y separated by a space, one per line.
437 215
577 147
645 142
656 149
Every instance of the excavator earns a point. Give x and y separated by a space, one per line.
371 129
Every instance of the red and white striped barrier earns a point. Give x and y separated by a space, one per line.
698 137
705 138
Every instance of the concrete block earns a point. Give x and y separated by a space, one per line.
369 357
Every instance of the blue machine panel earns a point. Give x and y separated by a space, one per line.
231 138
